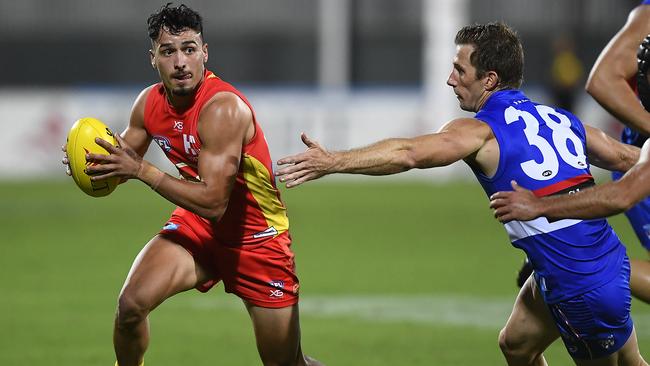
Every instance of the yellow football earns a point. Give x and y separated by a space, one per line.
81 141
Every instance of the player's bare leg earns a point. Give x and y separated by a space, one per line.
277 332
640 279
628 355
161 269
529 330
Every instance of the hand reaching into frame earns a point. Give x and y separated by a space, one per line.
312 164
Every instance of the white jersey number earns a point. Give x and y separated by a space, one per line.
561 136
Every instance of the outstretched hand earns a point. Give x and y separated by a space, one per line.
312 164
121 162
519 204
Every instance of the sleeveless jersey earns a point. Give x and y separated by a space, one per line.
543 149
255 210
630 136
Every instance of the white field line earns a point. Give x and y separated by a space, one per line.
434 310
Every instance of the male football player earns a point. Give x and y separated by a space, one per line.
230 225
580 290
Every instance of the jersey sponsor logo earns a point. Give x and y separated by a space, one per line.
163 142
271 231
178 125
571 185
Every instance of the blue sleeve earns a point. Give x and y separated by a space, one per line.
645 2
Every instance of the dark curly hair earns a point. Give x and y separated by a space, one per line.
496 48
174 20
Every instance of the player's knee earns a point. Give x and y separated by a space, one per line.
130 311
511 345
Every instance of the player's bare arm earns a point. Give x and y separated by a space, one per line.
135 135
616 64
604 200
459 139
608 153
224 125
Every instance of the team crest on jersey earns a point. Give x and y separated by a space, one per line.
178 125
163 142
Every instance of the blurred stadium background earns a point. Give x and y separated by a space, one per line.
407 270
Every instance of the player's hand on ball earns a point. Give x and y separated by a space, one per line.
311 164
65 160
519 204
122 161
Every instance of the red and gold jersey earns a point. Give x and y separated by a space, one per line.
255 210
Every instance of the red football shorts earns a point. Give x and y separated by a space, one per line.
262 274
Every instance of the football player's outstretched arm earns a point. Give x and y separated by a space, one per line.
223 126
617 63
457 140
600 201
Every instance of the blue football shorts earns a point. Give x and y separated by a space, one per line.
597 323
639 217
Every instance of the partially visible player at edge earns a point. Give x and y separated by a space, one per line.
613 84
581 269
230 224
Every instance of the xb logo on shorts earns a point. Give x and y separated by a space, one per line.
278 286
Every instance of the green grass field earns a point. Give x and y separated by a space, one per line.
392 273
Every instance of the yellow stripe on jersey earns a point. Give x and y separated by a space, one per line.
258 181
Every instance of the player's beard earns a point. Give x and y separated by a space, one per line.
182 91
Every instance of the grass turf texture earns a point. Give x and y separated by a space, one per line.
392 273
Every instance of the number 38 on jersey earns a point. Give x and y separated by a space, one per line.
564 143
